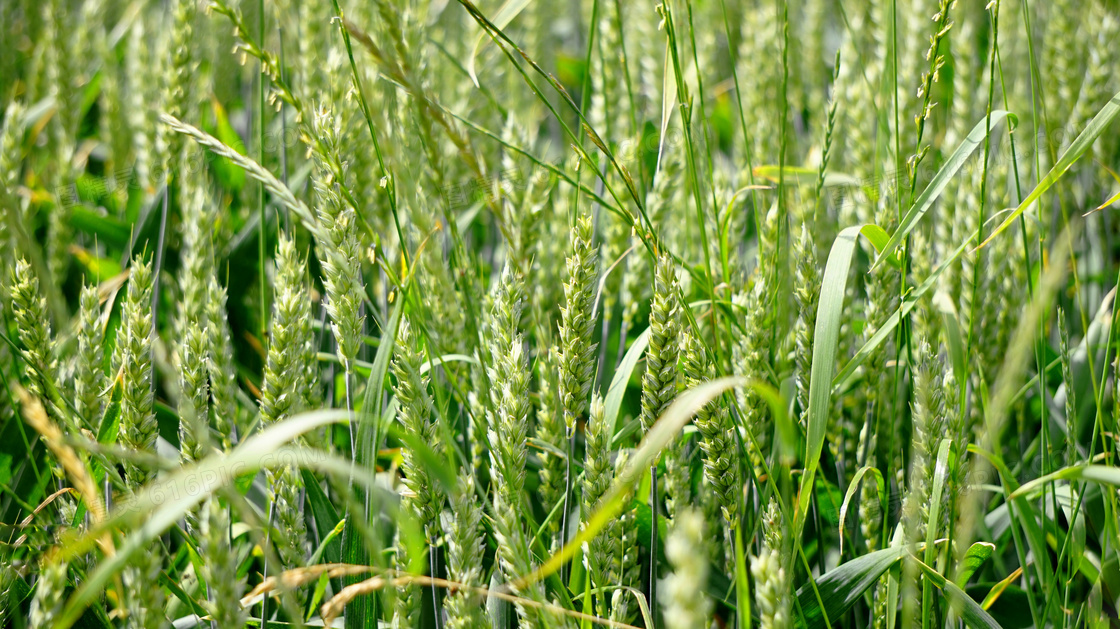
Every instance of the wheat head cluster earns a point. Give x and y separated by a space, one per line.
497 314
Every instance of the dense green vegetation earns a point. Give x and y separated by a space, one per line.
461 314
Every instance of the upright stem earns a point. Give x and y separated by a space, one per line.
260 186
567 496
653 540
264 570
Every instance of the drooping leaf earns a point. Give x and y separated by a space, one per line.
976 556
160 503
841 587
937 185
853 487
1102 474
617 390
826 340
501 19
1080 146
968 609
660 434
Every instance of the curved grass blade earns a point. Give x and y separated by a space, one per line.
1102 474
502 19
999 588
1079 147
937 185
621 379
660 434
842 587
427 365
826 339
852 488
977 555
167 499
969 610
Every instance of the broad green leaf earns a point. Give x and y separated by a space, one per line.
578 579
499 610
369 436
668 104
176 590
937 185
805 176
643 521
969 610
446 358
1095 128
742 584
826 339
231 175
34 115
976 556
108 230
372 401
621 379
643 605
940 471
878 237
317 594
1102 474
1024 513
841 587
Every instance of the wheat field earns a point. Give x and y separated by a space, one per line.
466 314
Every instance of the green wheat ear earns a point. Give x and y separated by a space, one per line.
465 550
771 578
341 255
194 403
598 475
50 591
223 374
284 393
415 410
138 425
683 599
807 288
144 602
551 430
29 309
659 384
89 377
10 155
577 352
289 351
509 379
220 568
720 452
